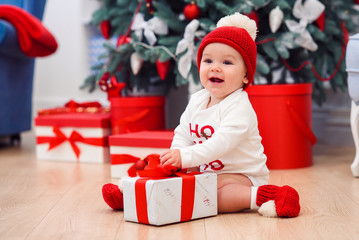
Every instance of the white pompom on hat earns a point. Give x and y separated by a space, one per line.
239 32
240 21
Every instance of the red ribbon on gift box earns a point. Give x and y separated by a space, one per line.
75 107
127 158
163 172
123 159
188 192
75 137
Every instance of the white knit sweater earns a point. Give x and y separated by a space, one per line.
223 138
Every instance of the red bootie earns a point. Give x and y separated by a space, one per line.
286 199
112 196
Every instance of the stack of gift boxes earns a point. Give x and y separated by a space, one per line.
84 136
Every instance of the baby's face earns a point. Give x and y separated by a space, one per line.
222 70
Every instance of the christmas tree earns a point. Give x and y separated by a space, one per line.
298 41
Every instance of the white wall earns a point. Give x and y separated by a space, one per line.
58 77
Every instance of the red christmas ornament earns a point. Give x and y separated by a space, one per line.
103 81
115 87
253 15
105 27
110 85
140 165
162 68
122 40
321 21
191 11
150 6
356 1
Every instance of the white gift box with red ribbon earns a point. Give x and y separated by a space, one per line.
74 137
126 149
170 200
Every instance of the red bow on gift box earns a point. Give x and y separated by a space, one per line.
136 166
75 137
152 167
156 171
74 104
75 107
60 138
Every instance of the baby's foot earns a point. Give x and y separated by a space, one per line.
112 196
286 199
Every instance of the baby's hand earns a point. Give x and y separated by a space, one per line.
172 157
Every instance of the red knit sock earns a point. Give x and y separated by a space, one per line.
112 196
286 199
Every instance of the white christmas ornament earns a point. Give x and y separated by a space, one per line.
136 63
153 26
187 43
307 13
275 19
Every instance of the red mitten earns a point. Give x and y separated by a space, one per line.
112 196
286 199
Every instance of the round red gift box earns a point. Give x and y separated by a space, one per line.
131 114
284 114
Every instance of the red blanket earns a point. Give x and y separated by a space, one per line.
34 39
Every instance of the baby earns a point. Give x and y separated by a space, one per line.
218 131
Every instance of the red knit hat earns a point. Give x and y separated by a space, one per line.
239 32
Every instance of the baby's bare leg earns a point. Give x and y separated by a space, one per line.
234 192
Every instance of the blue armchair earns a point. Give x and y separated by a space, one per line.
16 75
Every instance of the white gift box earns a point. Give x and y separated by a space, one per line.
170 200
125 149
73 137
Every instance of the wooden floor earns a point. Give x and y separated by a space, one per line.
54 200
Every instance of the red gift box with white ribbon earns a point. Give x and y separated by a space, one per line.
170 200
74 137
127 149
